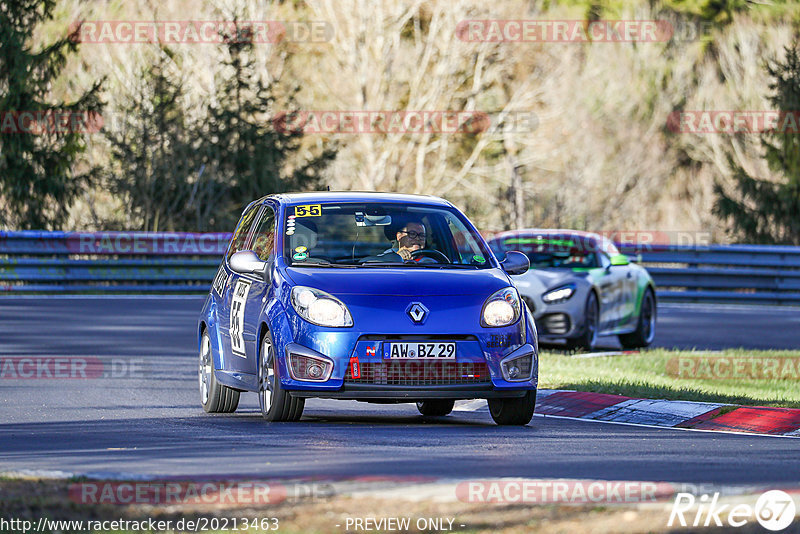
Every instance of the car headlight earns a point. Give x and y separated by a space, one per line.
320 308
559 293
501 309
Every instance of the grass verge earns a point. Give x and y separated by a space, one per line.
756 378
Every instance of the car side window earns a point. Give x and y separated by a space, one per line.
605 261
264 237
242 229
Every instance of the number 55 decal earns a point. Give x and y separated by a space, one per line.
237 317
310 210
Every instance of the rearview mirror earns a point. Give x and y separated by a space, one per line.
372 219
246 262
515 263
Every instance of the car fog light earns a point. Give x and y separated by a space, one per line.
303 367
314 371
518 369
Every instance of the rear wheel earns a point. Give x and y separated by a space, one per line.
588 338
214 397
435 407
513 411
276 403
646 326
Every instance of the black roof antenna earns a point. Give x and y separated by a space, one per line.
329 188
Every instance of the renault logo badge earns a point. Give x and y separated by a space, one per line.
417 312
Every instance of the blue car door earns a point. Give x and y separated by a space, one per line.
250 296
230 320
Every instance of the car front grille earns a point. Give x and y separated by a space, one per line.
420 373
554 324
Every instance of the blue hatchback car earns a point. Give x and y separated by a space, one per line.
374 297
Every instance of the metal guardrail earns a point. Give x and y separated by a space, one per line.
138 262
757 274
109 262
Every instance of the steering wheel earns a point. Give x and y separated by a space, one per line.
430 253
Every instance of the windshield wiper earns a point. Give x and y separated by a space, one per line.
420 265
383 264
319 262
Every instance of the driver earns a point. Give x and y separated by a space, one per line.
407 237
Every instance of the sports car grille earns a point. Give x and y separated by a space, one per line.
554 323
420 373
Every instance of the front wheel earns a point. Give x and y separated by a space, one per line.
214 397
276 403
588 337
646 326
513 411
435 407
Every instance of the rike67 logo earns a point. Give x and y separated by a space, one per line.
774 510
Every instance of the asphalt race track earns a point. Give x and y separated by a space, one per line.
145 418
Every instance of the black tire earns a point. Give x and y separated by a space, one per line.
591 325
276 403
437 407
646 326
214 397
513 411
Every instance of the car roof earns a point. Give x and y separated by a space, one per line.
587 240
586 237
355 196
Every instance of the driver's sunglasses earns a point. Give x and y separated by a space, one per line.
413 235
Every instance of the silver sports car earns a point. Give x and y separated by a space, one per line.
580 287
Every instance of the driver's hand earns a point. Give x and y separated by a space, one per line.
405 254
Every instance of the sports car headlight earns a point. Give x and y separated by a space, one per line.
320 308
501 309
559 293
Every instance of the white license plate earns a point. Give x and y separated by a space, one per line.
419 351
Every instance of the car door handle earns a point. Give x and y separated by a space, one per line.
629 275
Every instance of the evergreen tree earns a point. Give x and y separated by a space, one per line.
243 148
155 167
38 180
764 211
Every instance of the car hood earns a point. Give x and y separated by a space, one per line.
400 282
539 280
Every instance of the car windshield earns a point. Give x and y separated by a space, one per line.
550 253
375 235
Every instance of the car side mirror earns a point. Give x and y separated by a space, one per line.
619 259
515 263
246 262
